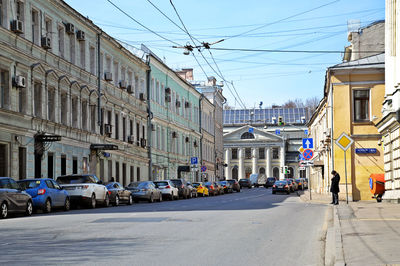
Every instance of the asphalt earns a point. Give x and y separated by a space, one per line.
253 227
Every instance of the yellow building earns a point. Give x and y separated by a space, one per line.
353 96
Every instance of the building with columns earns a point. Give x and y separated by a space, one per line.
254 143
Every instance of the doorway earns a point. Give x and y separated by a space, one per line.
3 160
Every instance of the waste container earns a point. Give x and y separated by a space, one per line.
377 186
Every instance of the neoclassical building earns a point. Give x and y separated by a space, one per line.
254 143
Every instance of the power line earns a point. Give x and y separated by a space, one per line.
290 51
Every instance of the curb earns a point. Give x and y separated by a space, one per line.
339 255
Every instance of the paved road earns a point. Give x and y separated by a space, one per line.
253 227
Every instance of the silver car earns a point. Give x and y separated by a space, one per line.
167 188
145 190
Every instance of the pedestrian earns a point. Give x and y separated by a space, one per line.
335 187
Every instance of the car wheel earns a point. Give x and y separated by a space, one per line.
4 210
67 205
203 194
171 197
273 192
151 200
93 201
106 201
29 208
160 199
136 201
47 206
130 200
116 203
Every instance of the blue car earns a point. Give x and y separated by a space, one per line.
46 194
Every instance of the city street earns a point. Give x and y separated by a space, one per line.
253 227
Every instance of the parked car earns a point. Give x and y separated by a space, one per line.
253 179
118 194
245 182
145 190
219 188
270 182
291 185
13 199
167 188
193 190
212 190
228 188
201 189
300 183
184 191
85 189
281 186
46 194
235 184
295 185
260 181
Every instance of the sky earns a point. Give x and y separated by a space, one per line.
249 77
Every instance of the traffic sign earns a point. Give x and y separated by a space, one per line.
306 163
251 130
277 131
203 168
306 132
301 149
301 157
344 141
308 154
308 143
193 160
302 168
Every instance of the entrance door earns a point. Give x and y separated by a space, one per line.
3 160
38 165
248 172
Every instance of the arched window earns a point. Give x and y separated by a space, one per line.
290 174
247 135
235 172
262 171
247 172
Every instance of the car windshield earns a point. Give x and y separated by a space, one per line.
271 179
161 184
196 184
177 182
143 185
26 184
75 179
223 182
231 181
243 180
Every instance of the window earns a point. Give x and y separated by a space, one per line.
60 30
117 172
35 26
247 153
63 165
75 112
74 165
2 13
275 153
3 160
4 88
21 162
110 175
247 135
93 118
72 48
361 105
115 73
132 171
64 108
261 153
234 154
138 174
38 99
116 126
82 54
137 133
84 115
49 27
123 129
50 165
92 55
50 106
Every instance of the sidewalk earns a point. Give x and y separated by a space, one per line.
363 233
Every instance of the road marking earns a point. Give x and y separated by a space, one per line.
378 219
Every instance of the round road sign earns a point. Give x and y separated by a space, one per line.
308 154
203 168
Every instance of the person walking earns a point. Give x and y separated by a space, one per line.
335 187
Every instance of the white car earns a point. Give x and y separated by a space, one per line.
86 189
167 189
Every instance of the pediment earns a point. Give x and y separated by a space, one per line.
259 135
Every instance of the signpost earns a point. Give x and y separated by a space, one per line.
193 160
277 131
308 143
345 142
308 154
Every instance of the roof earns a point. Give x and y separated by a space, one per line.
374 61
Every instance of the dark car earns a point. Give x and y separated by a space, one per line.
219 188
13 199
145 190
46 194
291 185
245 182
212 190
183 190
235 184
269 182
294 184
281 186
193 190
118 194
300 183
227 186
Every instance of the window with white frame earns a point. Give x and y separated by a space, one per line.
92 58
116 72
4 88
37 87
35 26
75 107
72 48
82 53
60 30
84 115
51 104
361 105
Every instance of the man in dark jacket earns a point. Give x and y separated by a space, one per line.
335 187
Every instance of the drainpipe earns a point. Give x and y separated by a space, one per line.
99 118
149 116
215 146
332 144
201 134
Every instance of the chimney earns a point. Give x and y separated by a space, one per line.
211 81
186 73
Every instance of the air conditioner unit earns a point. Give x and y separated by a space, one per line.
187 104
178 104
17 26
143 143
122 84
20 82
168 90
153 127
131 139
69 28
80 35
129 89
108 76
168 99
141 96
46 43
174 135
107 129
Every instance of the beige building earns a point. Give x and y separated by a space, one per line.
207 140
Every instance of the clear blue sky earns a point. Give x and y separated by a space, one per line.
268 77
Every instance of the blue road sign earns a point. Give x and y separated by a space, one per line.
306 132
251 130
193 160
308 154
301 157
277 131
204 168
308 143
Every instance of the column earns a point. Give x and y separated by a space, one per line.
228 162
268 162
254 160
282 162
241 163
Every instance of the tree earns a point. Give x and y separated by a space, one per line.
312 103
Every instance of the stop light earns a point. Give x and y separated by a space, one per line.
280 121
286 170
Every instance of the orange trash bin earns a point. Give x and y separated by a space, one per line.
377 185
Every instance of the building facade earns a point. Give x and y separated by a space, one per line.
389 125
207 140
254 143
